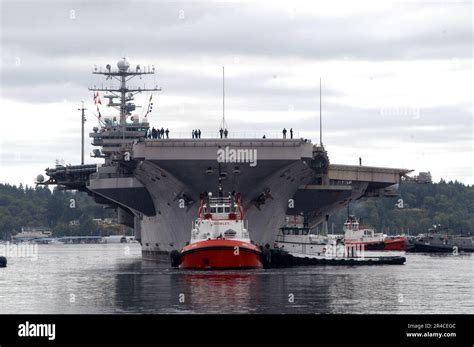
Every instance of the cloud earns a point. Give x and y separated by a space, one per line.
177 28
397 75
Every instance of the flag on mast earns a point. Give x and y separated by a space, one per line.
97 99
150 106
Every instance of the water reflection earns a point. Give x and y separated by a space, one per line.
146 286
106 279
220 292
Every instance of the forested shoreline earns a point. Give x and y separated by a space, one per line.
450 204
66 213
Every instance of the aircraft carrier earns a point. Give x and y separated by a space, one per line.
155 184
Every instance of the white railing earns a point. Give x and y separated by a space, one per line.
202 236
213 134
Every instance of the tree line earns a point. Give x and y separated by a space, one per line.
39 206
417 209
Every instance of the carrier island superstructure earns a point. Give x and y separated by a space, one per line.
155 184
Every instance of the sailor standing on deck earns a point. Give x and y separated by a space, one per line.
226 132
194 133
167 132
221 132
291 133
199 133
284 133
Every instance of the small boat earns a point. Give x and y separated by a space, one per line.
369 239
438 241
219 237
3 261
55 241
118 239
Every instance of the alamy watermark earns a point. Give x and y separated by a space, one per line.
21 250
402 111
37 330
355 250
241 155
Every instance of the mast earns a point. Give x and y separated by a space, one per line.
223 96
320 115
83 120
124 93
223 124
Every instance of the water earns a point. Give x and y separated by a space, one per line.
115 279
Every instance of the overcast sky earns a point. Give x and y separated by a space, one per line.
397 76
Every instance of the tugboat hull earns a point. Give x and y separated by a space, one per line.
385 245
220 254
395 244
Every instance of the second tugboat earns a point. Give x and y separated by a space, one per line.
219 238
369 239
440 240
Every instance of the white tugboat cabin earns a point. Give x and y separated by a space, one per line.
220 218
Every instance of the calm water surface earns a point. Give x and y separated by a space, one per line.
115 279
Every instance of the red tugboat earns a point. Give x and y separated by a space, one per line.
369 239
219 237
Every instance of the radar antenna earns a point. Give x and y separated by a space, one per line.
124 93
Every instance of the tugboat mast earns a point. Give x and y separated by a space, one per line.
125 94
